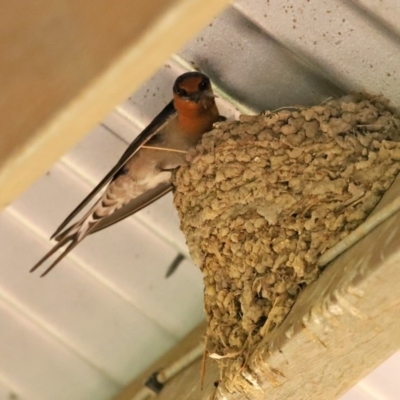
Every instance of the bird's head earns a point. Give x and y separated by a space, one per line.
193 90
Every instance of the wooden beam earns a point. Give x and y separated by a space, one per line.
184 346
187 385
341 327
65 64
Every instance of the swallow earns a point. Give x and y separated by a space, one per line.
143 173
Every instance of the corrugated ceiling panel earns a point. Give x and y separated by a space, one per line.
83 314
386 12
40 368
253 67
347 45
106 312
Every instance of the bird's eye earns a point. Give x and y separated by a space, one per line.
203 85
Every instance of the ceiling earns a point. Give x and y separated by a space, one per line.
107 311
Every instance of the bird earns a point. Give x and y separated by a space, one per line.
143 173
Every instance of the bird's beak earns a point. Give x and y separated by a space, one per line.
209 94
196 97
202 96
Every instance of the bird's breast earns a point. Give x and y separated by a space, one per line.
194 127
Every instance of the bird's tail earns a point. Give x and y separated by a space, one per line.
74 234
77 232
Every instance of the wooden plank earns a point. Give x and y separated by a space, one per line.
185 345
187 385
65 64
341 328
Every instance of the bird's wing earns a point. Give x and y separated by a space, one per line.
133 206
151 130
72 234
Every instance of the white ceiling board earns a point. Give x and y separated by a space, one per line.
386 11
82 313
39 366
134 261
120 123
95 155
50 199
130 117
162 215
253 67
337 37
153 96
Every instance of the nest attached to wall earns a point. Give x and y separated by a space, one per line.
264 197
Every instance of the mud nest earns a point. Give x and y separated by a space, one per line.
264 197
